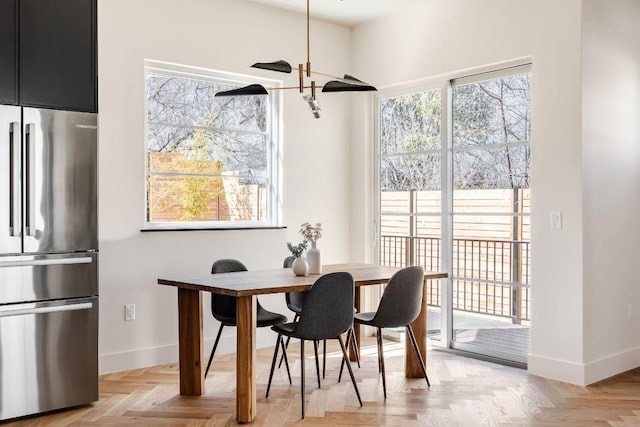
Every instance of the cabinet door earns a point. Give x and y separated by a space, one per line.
57 54
8 70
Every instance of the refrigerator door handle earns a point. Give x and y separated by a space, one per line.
15 223
58 261
4 312
30 215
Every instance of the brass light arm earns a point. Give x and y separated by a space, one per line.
326 75
289 87
301 78
308 44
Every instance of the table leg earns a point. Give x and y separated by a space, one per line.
412 368
356 328
190 342
246 359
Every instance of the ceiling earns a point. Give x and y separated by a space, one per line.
344 12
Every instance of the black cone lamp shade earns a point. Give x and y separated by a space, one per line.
279 66
254 89
347 84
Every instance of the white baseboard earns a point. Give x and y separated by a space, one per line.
584 373
612 365
556 369
162 355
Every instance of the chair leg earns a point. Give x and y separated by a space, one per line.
213 350
315 350
302 374
273 364
354 344
351 337
324 357
378 345
345 357
415 347
284 355
381 361
295 318
341 369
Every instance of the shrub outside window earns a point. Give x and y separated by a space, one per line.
210 162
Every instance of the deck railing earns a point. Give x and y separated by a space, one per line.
490 277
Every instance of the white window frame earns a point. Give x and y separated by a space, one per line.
274 150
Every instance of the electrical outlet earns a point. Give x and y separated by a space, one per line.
129 312
629 311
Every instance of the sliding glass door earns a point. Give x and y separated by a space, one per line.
453 195
410 187
491 130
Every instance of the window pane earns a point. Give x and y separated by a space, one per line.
410 202
209 160
494 111
410 123
494 227
191 102
197 198
412 172
196 150
508 201
504 167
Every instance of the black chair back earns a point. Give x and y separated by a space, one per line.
328 309
402 299
223 307
294 299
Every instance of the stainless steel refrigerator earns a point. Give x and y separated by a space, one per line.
48 260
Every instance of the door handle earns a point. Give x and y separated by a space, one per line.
30 166
38 262
15 222
43 310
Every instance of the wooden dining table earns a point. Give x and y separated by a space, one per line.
246 286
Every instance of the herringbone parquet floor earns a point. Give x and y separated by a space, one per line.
464 392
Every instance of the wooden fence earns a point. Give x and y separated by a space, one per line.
491 249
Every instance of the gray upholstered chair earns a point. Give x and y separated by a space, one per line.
327 314
400 305
223 308
295 302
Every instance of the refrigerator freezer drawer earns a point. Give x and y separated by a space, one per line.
47 277
48 356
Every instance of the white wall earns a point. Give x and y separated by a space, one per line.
224 35
611 173
445 37
582 149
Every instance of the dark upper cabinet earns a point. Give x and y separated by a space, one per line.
48 54
8 63
57 54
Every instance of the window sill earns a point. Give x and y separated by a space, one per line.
257 227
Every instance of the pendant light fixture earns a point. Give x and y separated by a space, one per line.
337 84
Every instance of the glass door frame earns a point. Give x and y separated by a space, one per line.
445 85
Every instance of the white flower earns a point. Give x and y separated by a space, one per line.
311 233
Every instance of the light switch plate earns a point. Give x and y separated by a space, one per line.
556 220
129 312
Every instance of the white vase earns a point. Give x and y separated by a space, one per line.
314 259
300 266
